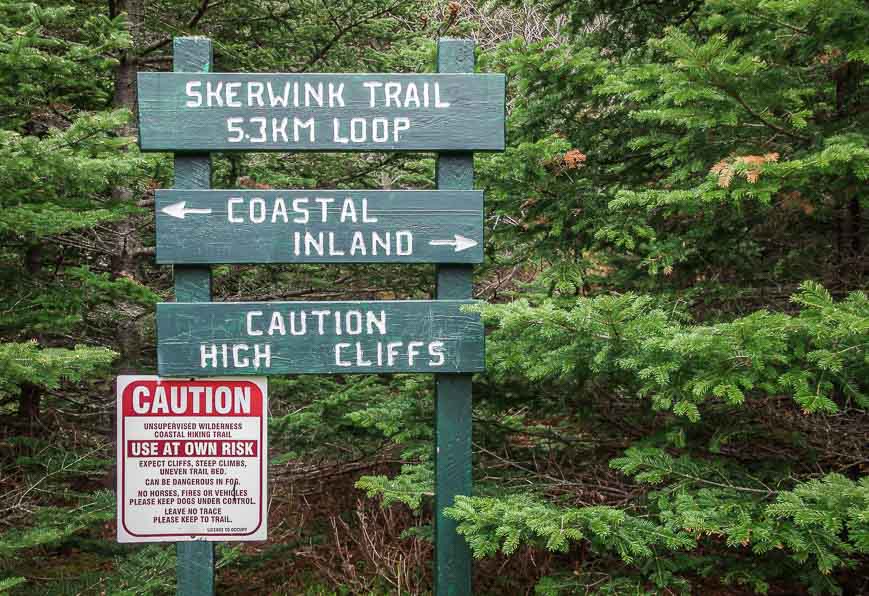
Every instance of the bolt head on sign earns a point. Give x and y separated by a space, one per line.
192 457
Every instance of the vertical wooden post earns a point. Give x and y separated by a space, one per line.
453 391
195 566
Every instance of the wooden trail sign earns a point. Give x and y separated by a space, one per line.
454 112
319 226
270 338
321 112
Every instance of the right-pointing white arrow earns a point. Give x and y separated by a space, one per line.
178 210
460 243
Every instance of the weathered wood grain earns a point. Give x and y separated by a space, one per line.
270 338
195 560
474 119
220 226
453 391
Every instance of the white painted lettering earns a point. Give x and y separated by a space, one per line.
358 130
321 316
436 351
255 92
233 125
365 217
229 216
237 360
377 239
437 94
277 324
314 93
223 399
279 127
336 96
336 132
299 125
232 90
392 352
207 355
191 90
214 91
334 252
400 125
403 243
315 243
303 325
413 351
338 361
260 354
324 207
357 244
278 101
249 318
297 208
257 208
348 211
360 361
371 86
411 95
381 134
391 91
377 320
354 322
280 209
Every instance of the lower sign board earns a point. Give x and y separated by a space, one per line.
215 338
319 226
192 458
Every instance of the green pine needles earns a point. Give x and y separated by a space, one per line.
650 351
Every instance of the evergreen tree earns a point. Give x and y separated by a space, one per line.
676 398
659 211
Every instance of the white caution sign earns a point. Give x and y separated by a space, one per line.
192 459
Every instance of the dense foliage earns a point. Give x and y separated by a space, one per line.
675 291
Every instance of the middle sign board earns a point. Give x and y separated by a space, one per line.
274 338
319 226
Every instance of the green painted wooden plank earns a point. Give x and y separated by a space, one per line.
453 391
194 568
321 112
270 338
319 226
195 560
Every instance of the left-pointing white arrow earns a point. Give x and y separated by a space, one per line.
178 210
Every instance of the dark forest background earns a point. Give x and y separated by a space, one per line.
677 399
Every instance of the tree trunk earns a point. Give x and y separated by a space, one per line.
125 96
29 402
847 78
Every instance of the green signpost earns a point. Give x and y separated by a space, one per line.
454 112
195 560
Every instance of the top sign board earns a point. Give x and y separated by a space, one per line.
321 112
